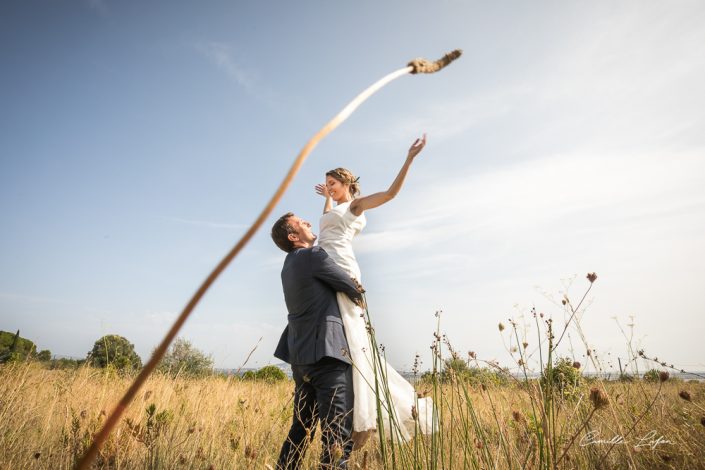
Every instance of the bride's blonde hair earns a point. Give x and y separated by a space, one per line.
346 176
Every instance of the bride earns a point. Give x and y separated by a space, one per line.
401 410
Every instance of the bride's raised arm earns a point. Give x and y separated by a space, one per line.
361 204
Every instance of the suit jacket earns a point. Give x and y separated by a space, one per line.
311 279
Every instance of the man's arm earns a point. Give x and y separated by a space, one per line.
325 270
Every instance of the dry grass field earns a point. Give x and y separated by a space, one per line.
47 418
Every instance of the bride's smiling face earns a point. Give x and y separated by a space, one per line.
340 192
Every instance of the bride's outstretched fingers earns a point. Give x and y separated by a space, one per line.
417 146
321 190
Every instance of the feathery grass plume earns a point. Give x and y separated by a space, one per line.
684 394
598 398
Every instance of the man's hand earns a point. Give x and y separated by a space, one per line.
360 289
360 302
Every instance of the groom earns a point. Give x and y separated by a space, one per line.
314 344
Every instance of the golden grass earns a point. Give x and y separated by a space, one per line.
47 419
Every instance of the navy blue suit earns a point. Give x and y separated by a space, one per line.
314 344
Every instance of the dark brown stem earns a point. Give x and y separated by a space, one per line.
572 439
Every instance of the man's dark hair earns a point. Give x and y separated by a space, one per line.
280 232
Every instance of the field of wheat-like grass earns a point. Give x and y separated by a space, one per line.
47 418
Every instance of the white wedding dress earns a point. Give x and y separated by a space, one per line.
411 415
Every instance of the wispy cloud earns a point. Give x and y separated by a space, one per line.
203 223
224 57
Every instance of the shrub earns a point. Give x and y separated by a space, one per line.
651 375
266 373
563 377
270 374
457 369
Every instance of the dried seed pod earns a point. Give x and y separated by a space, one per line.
598 398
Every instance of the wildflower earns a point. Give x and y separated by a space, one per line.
525 344
472 354
576 365
520 362
541 314
414 413
591 277
684 395
598 398
663 376
589 352
513 349
501 326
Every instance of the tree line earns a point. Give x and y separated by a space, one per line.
117 353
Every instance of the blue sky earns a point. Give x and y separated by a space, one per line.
139 140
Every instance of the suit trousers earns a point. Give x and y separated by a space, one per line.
324 392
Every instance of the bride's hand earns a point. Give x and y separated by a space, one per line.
321 190
416 147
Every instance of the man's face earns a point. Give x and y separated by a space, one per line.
304 237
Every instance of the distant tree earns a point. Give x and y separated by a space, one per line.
270 374
266 373
114 351
184 359
44 355
15 348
